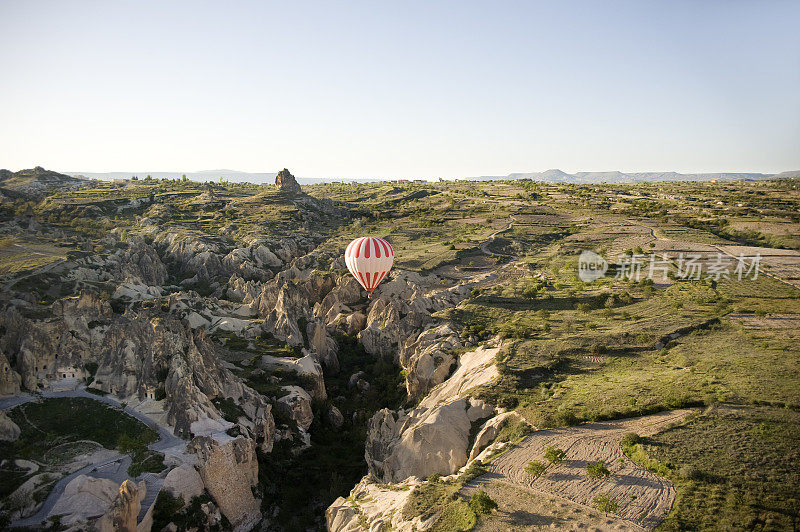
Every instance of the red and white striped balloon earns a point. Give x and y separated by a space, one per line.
369 259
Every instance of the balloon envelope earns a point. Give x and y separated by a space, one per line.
369 259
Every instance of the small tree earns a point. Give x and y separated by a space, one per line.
481 503
597 469
535 468
606 503
554 455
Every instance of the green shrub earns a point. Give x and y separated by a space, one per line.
597 469
513 431
535 468
475 470
481 503
688 472
629 440
554 455
605 503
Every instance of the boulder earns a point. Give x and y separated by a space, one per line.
184 481
335 417
85 498
297 405
9 431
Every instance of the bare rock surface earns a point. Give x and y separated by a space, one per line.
85 498
229 472
434 437
285 182
184 481
124 510
297 405
374 507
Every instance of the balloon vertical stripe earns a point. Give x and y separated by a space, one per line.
369 259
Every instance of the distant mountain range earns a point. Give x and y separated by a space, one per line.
550 176
559 176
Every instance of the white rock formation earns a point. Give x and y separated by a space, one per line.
297 405
84 499
376 507
229 472
434 437
184 481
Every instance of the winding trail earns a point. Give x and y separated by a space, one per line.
115 468
485 244
644 498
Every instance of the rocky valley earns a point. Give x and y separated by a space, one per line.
196 356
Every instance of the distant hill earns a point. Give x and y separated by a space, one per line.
559 176
37 181
790 173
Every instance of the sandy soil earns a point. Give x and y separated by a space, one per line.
521 509
773 321
644 498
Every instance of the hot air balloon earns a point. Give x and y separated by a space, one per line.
369 259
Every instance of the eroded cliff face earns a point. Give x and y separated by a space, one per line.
230 472
435 436
137 356
42 350
143 332
446 431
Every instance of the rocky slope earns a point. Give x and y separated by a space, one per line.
439 437
227 339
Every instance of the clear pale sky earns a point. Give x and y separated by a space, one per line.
400 88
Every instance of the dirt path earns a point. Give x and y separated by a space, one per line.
644 498
485 245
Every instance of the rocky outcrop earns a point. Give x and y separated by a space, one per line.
85 499
422 443
297 405
307 367
286 304
124 510
136 354
428 358
400 324
488 432
371 506
39 349
9 431
10 380
140 354
139 262
184 481
435 436
285 182
229 473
